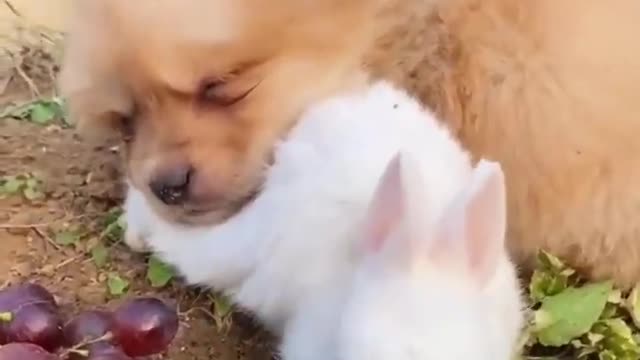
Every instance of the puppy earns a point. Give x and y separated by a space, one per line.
201 90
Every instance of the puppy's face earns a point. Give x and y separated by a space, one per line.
201 90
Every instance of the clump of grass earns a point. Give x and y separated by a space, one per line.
40 111
158 274
29 54
575 319
27 185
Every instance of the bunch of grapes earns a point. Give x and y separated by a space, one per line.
31 328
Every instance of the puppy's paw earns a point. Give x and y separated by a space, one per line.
136 241
137 220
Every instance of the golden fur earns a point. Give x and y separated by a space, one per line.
549 88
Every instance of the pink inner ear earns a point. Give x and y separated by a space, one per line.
387 208
472 229
485 219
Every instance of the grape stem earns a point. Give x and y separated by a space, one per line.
78 348
6 317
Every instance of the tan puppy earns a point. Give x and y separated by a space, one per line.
201 90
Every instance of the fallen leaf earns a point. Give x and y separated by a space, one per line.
11 185
99 255
618 339
570 313
632 305
158 273
117 285
43 113
66 238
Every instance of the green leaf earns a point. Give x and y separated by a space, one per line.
43 112
583 350
112 216
222 305
550 277
632 305
11 185
32 194
66 238
18 112
158 273
117 285
615 297
121 221
32 189
545 284
610 311
222 311
607 355
618 339
115 226
100 255
32 182
550 262
570 313
594 338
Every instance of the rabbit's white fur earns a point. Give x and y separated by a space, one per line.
441 291
296 240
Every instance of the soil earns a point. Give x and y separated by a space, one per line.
82 184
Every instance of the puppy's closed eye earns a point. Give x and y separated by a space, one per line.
224 92
213 92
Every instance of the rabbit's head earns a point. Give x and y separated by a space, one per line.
421 291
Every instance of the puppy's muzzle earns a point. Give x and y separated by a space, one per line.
171 185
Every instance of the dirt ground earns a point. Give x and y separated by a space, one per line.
81 183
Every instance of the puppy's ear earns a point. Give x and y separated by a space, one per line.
86 79
95 107
97 111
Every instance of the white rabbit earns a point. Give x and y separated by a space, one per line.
296 239
435 290
431 285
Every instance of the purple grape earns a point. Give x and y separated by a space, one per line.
87 325
16 295
29 313
25 351
144 326
36 323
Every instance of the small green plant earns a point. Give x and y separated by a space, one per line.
578 320
100 255
41 112
99 248
222 311
28 185
67 238
159 274
114 226
117 285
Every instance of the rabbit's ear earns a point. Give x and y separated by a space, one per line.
387 207
474 226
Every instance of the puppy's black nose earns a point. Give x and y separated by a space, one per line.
171 186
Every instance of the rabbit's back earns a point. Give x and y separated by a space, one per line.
322 181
